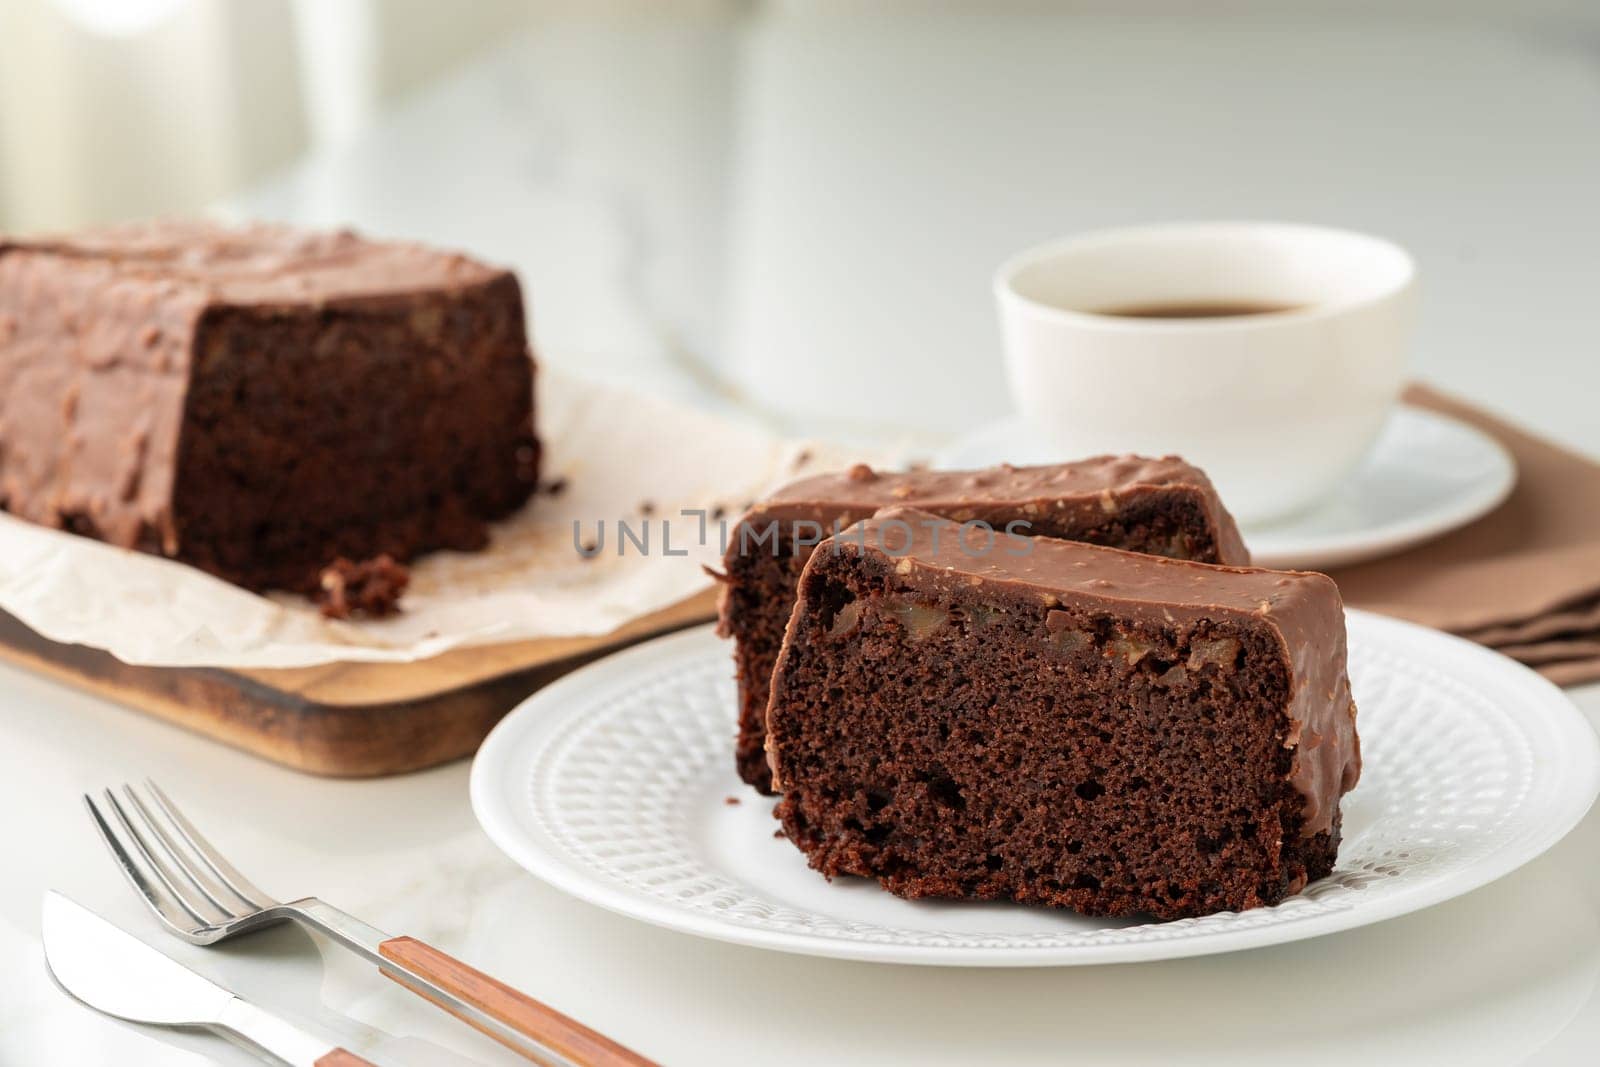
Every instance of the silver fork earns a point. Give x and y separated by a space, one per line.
201 897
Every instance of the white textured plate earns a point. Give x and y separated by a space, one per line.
1428 474
612 785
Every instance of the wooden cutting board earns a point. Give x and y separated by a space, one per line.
351 720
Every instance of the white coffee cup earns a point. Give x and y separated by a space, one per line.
1277 407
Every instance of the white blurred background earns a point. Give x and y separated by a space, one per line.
755 204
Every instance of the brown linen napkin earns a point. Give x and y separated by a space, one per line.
1524 579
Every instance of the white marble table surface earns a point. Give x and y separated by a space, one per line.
679 196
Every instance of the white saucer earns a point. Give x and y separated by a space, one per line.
613 784
1427 475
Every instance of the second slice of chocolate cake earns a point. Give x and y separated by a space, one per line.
1056 723
1162 506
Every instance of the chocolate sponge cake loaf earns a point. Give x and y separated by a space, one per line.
261 401
1058 723
1162 506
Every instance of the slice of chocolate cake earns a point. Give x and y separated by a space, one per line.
1057 723
1161 506
261 401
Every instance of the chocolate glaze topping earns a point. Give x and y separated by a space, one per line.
263 264
92 384
1104 484
1302 609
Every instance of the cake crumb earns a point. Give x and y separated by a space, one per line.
369 587
555 486
801 458
647 507
732 801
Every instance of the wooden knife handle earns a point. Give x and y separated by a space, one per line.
543 1024
340 1058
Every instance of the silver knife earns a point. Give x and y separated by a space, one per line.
114 972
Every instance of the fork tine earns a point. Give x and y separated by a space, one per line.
158 902
225 872
184 863
155 866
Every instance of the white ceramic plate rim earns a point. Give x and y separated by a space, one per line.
1571 749
1285 544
